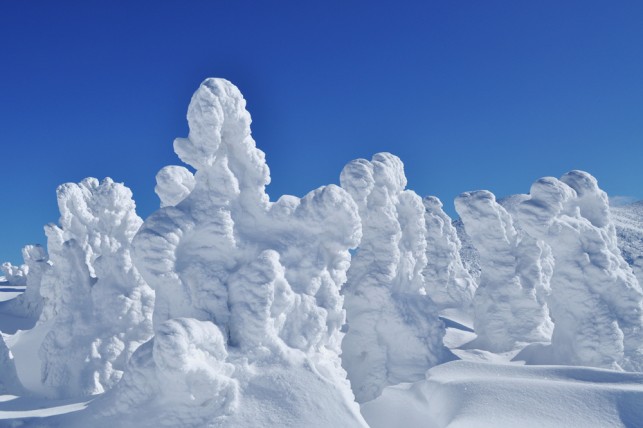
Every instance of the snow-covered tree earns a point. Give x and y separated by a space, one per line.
510 302
446 280
394 332
248 305
97 306
596 301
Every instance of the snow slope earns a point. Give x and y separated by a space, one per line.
475 394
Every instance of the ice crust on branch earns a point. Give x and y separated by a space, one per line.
248 308
97 306
446 279
510 302
394 332
596 300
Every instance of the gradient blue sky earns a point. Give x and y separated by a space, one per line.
470 94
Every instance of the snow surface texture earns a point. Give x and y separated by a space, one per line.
468 253
509 304
98 307
463 394
629 230
446 279
248 308
596 300
394 332
173 184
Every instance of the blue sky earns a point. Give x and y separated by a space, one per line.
470 94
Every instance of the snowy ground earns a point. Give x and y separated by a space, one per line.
480 390
489 390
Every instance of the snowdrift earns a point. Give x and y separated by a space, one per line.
469 394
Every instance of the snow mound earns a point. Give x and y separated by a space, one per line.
596 301
468 394
394 332
509 304
248 308
97 305
446 279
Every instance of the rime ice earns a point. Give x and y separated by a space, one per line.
394 332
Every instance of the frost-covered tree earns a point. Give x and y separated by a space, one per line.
510 302
14 275
394 332
446 280
9 382
596 301
248 307
96 305
28 304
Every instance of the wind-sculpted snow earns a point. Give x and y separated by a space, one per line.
243 321
9 383
98 306
14 275
446 279
628 220
468 394
394 333
28 304
248 310
509 304
173 184
596 300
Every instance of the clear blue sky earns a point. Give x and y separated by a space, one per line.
470 94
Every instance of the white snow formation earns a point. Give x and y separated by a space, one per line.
98 306
596 301
510 302
446 279
36 263
173 184
14 275
628 220
465 394
9 383
226 309
394 332
248 308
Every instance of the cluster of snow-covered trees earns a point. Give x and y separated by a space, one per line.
224 308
